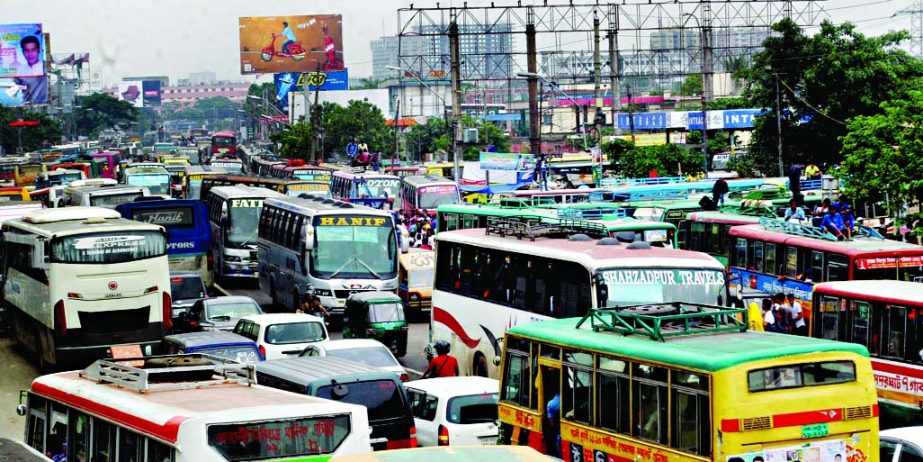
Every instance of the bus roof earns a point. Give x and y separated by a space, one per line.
706 352
229 192
586 253
426 180
314 205
205 170
554 211
888 291
343 174
225 133
146 170
723 218
858 245
60 222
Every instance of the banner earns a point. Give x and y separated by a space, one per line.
23 90
151 92
507 161
22 50
275 44
131 91
287 82
644 139
644 121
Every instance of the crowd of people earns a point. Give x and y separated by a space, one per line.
360 156
420 228
783 314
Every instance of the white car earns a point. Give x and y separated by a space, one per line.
901 444
454 410
279 335
361 350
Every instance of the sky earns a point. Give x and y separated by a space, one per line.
177 37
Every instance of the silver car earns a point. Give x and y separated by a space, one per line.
220 313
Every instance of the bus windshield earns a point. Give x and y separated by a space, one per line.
421 278
279 438
244 221
156 183
348 251
223 141
378 187
639 286
113 247
434 196
112 200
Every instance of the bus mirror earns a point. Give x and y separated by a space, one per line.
496 360
308 238
405 244
603 295
21 410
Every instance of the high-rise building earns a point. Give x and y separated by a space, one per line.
202 78
385 53
485 53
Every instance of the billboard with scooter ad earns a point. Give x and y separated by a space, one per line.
275 44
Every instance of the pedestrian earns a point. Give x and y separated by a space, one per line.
812 172
794 181
553 414
796 312
768 318
780 311
794 213
443 364
718 191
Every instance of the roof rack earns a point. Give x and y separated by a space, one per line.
171 372
795 229
593 213
617 182
532 227
749 210
662 320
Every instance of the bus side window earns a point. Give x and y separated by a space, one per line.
741 253
755 255
37 429
649 385
517 380
104 436
860 313
817 267
79 445
791 262
837 267
894 331
612 395
691 413
769 259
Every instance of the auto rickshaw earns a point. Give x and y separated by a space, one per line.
379 316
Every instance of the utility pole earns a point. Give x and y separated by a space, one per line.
614 83
397 117
316 126
706 76
779 124
532 67
597 73
456 95
631 115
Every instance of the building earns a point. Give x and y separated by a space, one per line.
202 78
485 51
189 94
164 80
385 54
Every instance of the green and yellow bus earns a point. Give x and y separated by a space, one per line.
682 383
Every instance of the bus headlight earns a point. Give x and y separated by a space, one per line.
323 293
233 258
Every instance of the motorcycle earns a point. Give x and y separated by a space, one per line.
295 50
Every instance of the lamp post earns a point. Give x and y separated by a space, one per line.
778 120
558 90
703 42
450 129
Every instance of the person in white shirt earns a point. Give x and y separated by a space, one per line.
768 318
797 316
31 50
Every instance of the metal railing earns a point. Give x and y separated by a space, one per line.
664 320
170 372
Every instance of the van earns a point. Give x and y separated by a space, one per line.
380 391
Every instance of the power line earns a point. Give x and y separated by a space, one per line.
796 95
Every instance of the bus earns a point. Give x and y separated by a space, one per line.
319 177
155 179
188 231
775 256
14 194
882 316
224 143
685 382
183 408
83 193
404 171
109 163
192 180
26 173
515 272
292 188
608 217
373 189
193 154
264 166
707 231
80 280
426 192
58 177
234 215
440 169
415 281
231 165
8 167
558 196
335 247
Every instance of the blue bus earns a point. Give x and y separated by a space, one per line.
188 231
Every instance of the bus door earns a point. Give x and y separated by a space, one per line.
549 387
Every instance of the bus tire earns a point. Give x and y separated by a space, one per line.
479 366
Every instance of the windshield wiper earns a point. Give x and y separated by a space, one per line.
341 268
369 268
246 243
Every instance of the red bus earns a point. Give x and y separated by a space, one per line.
225 143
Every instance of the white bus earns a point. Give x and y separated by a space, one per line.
486 283
234 214
79 280
102 192
193 411
335 247
155 179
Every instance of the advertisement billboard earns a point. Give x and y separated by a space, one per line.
22 50
287 82
151 92
276 44
132 91
507 161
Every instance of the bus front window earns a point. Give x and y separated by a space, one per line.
640 286
354 251
378 187
244 222
156 184
108 247
433 196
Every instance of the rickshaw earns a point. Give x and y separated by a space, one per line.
379 316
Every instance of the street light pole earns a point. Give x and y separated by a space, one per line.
558 90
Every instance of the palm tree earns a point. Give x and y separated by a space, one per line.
370 83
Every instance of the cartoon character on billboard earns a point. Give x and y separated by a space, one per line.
291 48
330 49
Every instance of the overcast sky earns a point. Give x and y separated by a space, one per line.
176 37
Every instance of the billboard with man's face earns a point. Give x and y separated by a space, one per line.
133 92
22 50
275 44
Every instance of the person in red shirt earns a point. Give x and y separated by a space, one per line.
330 49
444 364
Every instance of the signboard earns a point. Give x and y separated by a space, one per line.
151 92
23 90
246 203
22 50
507 161
168 217
644 120
888 262
132 91
644 139
506 117
351 220
274 44
287 82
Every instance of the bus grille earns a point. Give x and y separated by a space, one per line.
343 294
104 322
858 412
757 423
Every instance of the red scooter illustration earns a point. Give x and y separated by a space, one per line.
295 50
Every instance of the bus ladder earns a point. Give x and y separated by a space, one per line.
200 371
663 320
534 227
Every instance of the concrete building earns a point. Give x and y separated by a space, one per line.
189 94
202 78
385 53
164 80
484 54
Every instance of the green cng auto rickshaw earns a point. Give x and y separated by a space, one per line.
379 316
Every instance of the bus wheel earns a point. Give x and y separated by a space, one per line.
479 368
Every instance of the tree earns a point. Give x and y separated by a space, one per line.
360 120
488 134
425 138
692 85
99 111
637 161
823 80
47 132
294 141
370 83
882 154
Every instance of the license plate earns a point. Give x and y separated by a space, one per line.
487 440
814 431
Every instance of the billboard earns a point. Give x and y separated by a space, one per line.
287 82
151 92
507 161
22 50
132 91
275 44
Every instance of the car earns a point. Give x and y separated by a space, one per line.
220 313
366 351
279 335
186 288
454 410
901 444
222 344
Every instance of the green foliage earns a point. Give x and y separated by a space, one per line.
839 71
743 164
428 137
360 120
692 85
294 141
667 159
100 111
883 153
488 134
46 133
615 149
